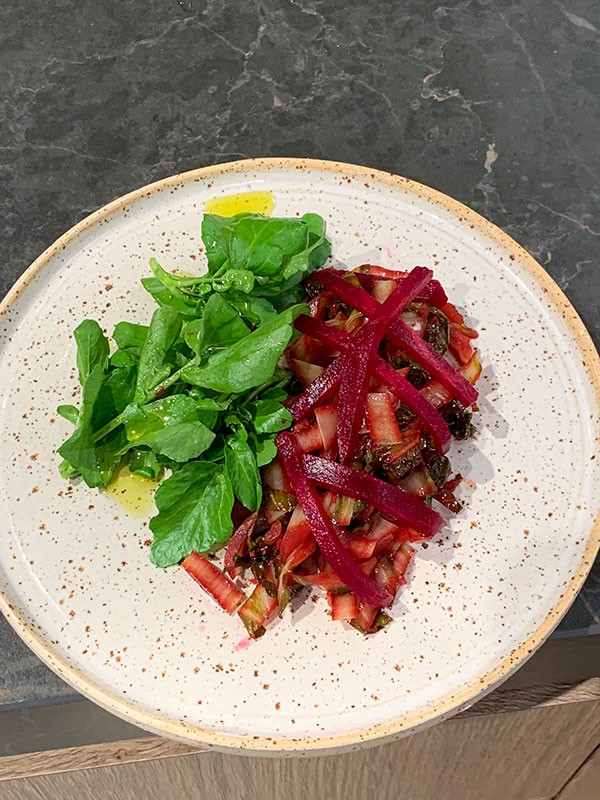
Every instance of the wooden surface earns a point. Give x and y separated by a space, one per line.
585 784
519 755
144 748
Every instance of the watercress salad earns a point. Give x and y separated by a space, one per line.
196 395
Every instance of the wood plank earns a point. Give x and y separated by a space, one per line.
585 784
522 755
144 747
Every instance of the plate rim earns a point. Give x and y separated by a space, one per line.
377 733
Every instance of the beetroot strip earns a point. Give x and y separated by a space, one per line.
355 385
401 388
319 389
402 335
433 293
323 530
402 507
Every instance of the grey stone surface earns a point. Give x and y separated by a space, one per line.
495 103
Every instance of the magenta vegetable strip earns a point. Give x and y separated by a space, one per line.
333 550
355 385
401 388
433 293
402 295
319 390
400 333
406 509
411 397
355 296
437 366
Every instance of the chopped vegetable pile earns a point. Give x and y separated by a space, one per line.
317 429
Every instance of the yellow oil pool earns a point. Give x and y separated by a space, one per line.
245 203
132 493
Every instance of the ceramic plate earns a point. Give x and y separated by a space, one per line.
75 574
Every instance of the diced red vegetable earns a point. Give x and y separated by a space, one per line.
322 527
366 617
381 416
382 289
214 582
300 554
308 350
256 610
402 559
273 534
409 439
419 483
389 499
435 394
309 439
472 370
296 532
452 313
277 503
385 575
324 580
361 547
343 606
460 344
381 527
343 510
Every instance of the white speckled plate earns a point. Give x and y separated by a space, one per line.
75 577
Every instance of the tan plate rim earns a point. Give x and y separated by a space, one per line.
403 725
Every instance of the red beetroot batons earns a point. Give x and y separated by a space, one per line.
387 367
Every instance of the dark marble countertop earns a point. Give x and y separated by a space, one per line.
496 103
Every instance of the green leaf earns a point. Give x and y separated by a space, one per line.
144 463
92 348
115 394
66 470
253 242
255 310
154 364
94 464
194 512
122 358
188 306
265 449
315 254
270 416
249 362
172 427
220 325
70 413
241 280
243 471
130 338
